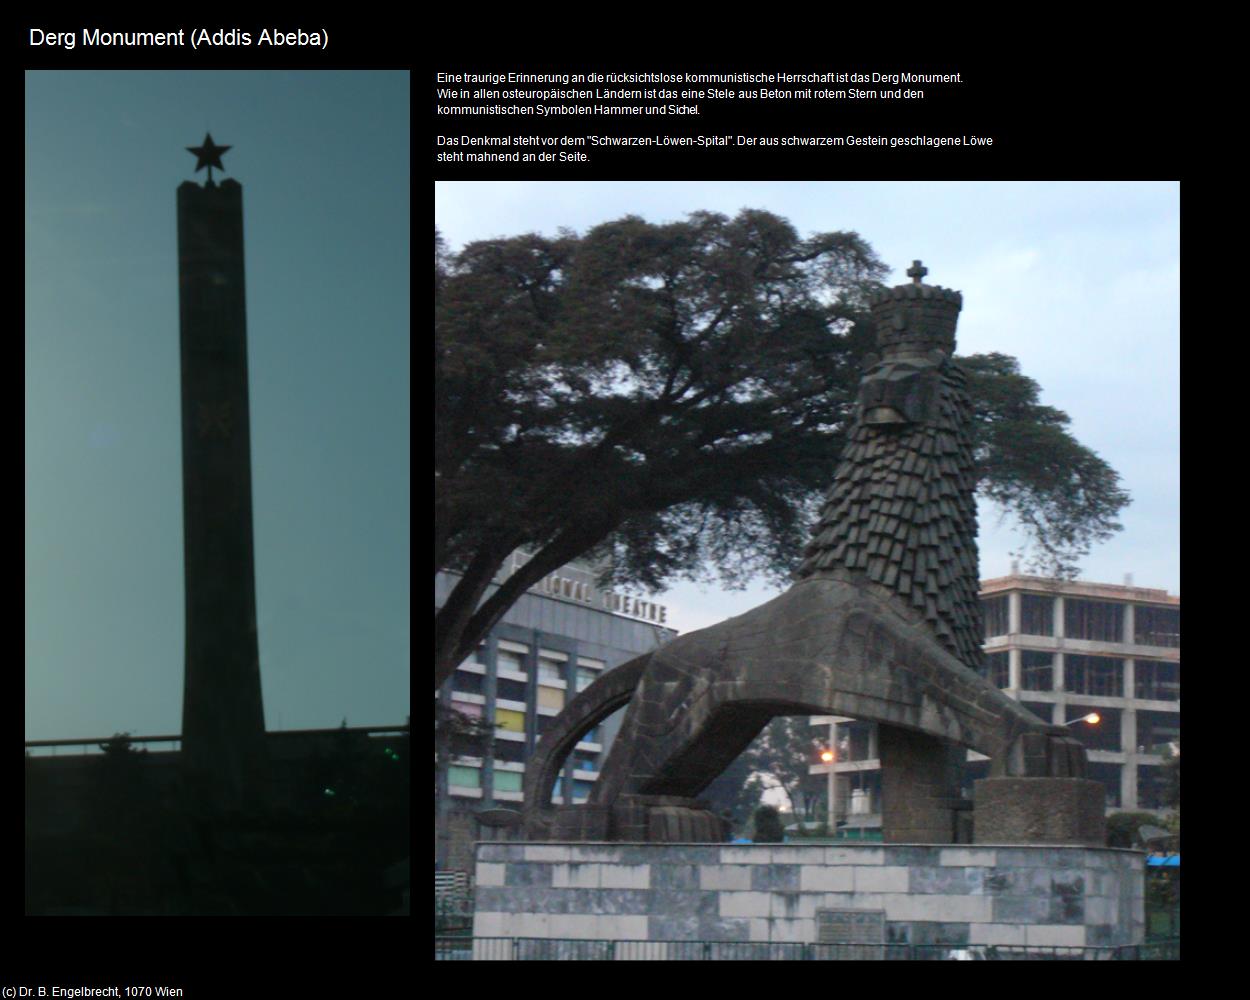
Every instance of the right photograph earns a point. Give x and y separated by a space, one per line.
840 516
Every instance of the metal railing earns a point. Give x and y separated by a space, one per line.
44 748
569 949
50 748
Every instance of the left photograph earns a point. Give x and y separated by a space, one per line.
217 493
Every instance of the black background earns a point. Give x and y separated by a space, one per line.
1062 99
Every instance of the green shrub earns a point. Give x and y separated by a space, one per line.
768 828
1122 827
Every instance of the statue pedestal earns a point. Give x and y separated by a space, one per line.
852 899
636 818
1039 811
665 819
920 778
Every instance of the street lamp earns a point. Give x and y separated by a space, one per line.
1093 718
827 756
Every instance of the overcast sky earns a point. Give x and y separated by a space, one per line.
323 159
1079 281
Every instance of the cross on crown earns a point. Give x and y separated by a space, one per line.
917 271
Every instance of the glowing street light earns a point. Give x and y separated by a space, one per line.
1093 718
827 756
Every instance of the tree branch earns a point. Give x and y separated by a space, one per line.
452 620
551 557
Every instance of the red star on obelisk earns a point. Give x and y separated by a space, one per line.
208 155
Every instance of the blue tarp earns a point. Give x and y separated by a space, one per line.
1170 860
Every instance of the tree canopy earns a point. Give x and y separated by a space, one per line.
781 757
1062 494
673 397
778 758
735 792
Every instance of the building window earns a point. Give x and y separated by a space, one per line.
1151 787
464 777
1102 675
467 683
856 741
591 736
1097 621
550 698
1155 730
1103 734
1109 775
469 744
586 677
512 751
997 669
507 781
583 761
510 689
544 722
1157 680
550 670
510 721
510 659
1037 614
994 611
582 790
1037 670
478 658
1157 626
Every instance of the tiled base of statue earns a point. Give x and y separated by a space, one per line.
872 895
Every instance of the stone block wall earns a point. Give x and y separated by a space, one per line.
956 895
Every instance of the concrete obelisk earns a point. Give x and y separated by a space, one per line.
223 723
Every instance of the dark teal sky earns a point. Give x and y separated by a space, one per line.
323 160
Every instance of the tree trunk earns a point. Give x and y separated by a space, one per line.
452 620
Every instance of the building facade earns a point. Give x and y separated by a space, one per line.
1065 650
554 642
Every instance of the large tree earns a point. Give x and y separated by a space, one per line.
674 397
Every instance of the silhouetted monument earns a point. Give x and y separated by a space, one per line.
223 725
882 624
